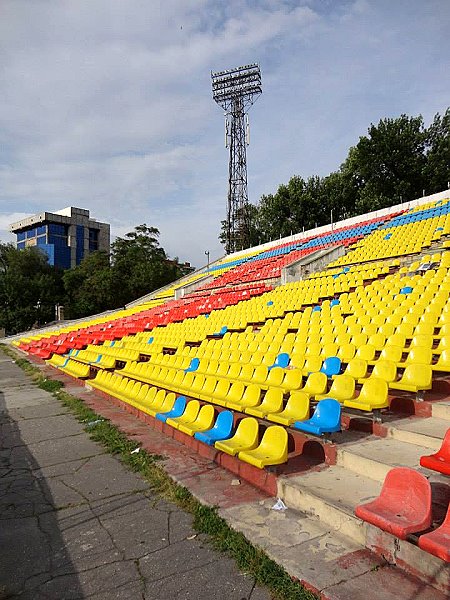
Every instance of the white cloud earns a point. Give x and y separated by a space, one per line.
106 104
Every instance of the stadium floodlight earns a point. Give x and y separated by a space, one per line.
235 90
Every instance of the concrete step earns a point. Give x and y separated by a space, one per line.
441 410
375 457
331 495
427 433
322 558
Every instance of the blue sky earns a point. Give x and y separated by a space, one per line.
107 104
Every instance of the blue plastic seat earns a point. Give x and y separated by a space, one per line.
222 331
406 290
282 360
150 340
331 366
334 302
195 362
177 410
326 418
221 430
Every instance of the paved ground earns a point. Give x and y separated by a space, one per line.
74 523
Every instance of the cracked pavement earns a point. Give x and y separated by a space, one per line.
75 523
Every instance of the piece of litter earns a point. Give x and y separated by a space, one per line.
191 537
279 505
235 482
92 423
135 451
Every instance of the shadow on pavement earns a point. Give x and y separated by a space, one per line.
30 538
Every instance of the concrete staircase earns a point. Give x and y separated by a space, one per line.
332 493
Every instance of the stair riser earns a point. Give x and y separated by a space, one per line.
362 465
409 558
441 411
411 437
332 516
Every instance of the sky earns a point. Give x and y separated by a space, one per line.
107 105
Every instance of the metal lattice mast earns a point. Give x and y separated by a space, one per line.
235 91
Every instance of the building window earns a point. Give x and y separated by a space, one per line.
93 240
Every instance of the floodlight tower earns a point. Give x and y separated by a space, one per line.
235 91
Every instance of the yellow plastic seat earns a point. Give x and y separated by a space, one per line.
274 377
443 364
250 397
203 421
415 378
166 404
373 396
342 388
296 409
426 341
292 380
315 384
366 352
419 356
356 368
153 406
272 402
233 395
383 369
209 385
346 352
245 438
312 364
190 414
391 353
273 449
144 401
260 374
221 390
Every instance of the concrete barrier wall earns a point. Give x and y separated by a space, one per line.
310 264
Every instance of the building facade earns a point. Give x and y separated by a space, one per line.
66 236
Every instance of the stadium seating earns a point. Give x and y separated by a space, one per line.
437 542
440 460
403 506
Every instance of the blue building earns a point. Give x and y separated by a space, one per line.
66 236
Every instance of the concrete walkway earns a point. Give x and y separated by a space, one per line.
74 523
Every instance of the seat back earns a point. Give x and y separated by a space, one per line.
275 441
273 400
315 384
298 405
418 375
374 392
405 487
356 368
385 369
331 366
327 413
247 431
224 423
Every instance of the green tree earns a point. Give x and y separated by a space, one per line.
29 288
388 164
437 168
139 265
88 286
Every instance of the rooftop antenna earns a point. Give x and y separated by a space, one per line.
235 90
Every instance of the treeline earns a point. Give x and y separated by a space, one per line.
30 287
398 160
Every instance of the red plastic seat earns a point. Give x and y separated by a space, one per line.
440 461
403 506
437 542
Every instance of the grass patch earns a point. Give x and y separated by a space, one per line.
206 520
